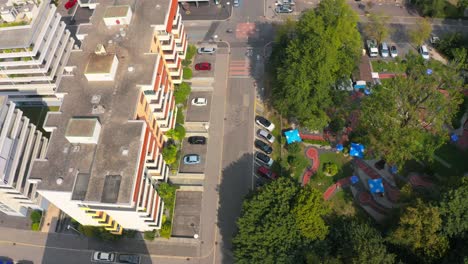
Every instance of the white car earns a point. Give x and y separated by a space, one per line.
264 134
199 101
103 256
263 122
191 159
205 50
424 52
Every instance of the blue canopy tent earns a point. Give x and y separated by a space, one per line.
376 185
292 136
354 179
367 91
357 150
339 147
454 137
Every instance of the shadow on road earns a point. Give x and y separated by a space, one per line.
235 185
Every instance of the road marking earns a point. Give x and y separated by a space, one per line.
239 69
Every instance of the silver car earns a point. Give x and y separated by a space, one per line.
206 50
264 134
191 159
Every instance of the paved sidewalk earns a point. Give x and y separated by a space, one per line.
49 223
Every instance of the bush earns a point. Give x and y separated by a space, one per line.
187 73
337 124
180 118
130 233
166 229
330 169
36 216
88 231
186 63
181 93
35 226
177 133
167 192
294 148
150 235
191 50
317 142
169 154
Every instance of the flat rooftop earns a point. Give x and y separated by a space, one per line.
100 63
106 172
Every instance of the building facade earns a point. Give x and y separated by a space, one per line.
104 160
20 145
34 49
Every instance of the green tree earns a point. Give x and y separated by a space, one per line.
169 153
454 210
294 148
167 192
187 73
421 32
330 168
309 210
267 228
181 93
377 27
36 216
177 133
191 50
432 8
355 242
310 56
405 117
419 229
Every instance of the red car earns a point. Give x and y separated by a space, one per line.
265 172
203 66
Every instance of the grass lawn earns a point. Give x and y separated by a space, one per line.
394 66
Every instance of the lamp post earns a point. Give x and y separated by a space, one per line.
195 235
72 228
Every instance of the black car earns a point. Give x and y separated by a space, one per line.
263 158
129 258
197 140
263 146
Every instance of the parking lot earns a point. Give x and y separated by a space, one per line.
188 148
187 214
199 58
199 113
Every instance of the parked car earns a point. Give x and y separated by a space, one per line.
434 39
199 101
267 173
288 2
283 9
236 3
191 159
263 122
103 256
263 158
264 134
424 52
384 50
263 146
203 66
128 258
393 51
197 140
206 50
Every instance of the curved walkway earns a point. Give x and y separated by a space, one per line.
417 180
312 154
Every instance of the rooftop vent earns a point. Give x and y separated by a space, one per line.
131 69
100 50
95 99
124 151
98 109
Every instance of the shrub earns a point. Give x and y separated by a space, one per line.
180 118
36 216
294 148
169 154
35 226
337 124
317 142
166 229
150 235
186 63
89 231
177 133
187 73
181 93
191 50
330 169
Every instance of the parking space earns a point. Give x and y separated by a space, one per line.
204 58
197 113
187 149
187 210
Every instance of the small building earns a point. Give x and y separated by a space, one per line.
83 130
101 67
117 15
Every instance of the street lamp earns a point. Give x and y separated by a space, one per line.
71 227
195 235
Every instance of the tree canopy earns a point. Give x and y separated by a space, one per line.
454 210
377 27
421 32
419 229
309 56
269 229
405 117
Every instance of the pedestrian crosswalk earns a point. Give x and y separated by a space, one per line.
239 69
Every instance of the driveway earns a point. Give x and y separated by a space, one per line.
199 113
193 149
186 221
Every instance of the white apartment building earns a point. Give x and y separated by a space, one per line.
20 145
34 49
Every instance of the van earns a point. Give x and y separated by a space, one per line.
384 50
